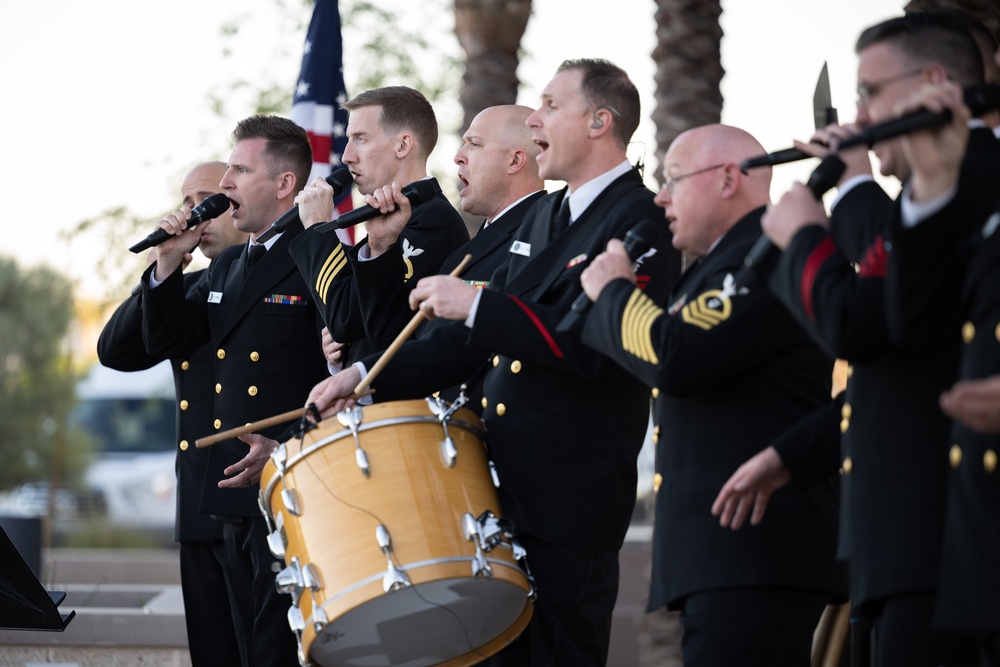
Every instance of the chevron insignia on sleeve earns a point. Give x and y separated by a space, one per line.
331 267
637 324
709 309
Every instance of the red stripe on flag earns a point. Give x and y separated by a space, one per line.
321 145
809 272
541 327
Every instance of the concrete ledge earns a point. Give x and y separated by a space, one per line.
114 615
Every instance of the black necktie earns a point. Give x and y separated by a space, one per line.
561 221
254 255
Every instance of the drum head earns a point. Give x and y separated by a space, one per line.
423 625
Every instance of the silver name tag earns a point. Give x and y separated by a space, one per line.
521 248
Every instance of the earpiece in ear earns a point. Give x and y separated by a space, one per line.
597 124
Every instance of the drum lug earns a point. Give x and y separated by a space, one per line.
474 533
311 577
276 543
298 624
394 578
295 620
276 536
319 618
494 475
351 418
361 459
448 451
290 580
290 499
265 510
279 456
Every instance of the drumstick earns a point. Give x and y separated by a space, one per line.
250 428
400 339
297 413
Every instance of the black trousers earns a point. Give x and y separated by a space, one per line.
750 627
210 618
270 642
571 625
902 635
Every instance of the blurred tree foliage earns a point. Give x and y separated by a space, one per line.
36 379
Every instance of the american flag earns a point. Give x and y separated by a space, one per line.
318 94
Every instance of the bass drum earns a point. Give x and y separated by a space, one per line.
396 553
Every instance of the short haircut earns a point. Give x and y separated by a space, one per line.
607 86
287 147
930 37
402 108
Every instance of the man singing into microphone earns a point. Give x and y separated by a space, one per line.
264 331
731 372
390 134
205 581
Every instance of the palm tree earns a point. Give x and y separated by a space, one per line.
490 33
688 68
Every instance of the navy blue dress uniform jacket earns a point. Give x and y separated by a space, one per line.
944 283
434 231
121 347
383 289
564 424
732 371
264 335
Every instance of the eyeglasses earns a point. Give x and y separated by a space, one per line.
868 90
670 182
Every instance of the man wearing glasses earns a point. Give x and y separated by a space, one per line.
832 275
732 372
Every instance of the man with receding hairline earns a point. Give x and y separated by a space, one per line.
732 372
499 175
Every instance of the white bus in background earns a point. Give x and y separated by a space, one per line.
130 417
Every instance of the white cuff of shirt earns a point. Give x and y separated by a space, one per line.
470 321
849 185
366 399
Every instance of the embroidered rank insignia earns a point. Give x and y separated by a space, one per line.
286 299
637 324
481 284
576 260
712 307
408 252
333 265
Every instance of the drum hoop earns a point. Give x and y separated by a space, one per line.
346 433
379 423
409 568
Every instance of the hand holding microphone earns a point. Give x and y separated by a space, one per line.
608 266
213 206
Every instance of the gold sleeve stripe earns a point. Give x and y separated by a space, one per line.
637 324
333 265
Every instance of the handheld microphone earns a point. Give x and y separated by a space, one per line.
418 192
980 99
821 180
638 241
213 206
340 180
